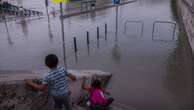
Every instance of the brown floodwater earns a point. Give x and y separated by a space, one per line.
149 73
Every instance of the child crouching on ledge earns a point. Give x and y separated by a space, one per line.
57 80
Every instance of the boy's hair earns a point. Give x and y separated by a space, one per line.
51 60
96 84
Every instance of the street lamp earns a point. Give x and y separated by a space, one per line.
63 34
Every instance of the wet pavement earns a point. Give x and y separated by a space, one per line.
150 72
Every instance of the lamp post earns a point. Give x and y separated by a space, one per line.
63 35
116 2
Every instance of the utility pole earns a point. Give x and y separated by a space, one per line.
63 35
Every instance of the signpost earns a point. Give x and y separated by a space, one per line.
60 2
116 2
46 3
63 34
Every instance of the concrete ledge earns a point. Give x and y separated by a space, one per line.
15 95
187 15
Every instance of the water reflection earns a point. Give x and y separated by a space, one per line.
48 19
179 77
93 16
49 28
76 57
53 12
8 34
105 37
24 26
139 62
19 3
98 44
88 49
116 55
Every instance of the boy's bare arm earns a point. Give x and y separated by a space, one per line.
36 86
72 77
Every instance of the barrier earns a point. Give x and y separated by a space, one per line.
138 22
163 22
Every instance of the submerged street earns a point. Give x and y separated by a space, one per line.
152 70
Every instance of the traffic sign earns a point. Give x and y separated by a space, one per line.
116 1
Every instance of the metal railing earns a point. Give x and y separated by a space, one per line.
164 22
131 21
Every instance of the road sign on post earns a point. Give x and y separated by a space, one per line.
46 3
116 1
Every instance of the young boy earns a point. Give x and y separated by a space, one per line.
57 82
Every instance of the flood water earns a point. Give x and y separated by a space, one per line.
148 73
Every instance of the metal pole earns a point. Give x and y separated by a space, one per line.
49 27
75 44
46 4
98 36
7 30
153 30
98 33
88 41
105 29
174 31
116 17
63 34
142 29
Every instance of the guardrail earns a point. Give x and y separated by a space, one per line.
164 22
138 22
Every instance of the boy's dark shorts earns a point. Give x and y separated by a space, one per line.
61 101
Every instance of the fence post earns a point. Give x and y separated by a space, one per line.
75 44
88 40
105 28
98 34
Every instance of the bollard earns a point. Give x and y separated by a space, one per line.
98 35
88 40
75 44
105 28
